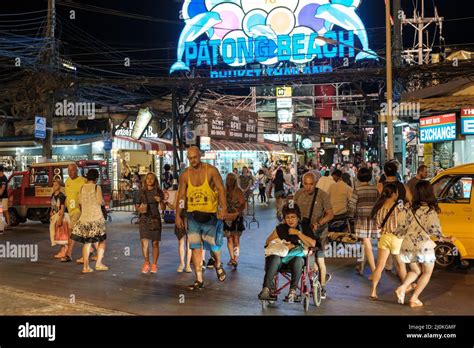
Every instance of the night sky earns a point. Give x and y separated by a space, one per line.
124 34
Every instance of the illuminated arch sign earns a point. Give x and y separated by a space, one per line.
242 32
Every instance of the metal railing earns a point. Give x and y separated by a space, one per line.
250 212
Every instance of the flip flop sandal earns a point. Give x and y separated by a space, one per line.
373 298
80 261
66 259
196 286
89 270
400 296
417 303
220 275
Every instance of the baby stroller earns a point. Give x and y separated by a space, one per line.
309 285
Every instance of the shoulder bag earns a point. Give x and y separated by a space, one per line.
384 222
428 243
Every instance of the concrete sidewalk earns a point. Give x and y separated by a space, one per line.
17 302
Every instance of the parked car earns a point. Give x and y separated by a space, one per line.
29 192
454 190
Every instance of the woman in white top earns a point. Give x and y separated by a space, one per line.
91 225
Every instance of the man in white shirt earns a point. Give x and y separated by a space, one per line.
339 194
325 182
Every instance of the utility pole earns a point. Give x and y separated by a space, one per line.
397 33
423 46
50 62
389 115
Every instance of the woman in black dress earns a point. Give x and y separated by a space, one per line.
149 202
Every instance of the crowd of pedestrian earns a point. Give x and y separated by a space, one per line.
401 217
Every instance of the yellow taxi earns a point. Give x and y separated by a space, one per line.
454 190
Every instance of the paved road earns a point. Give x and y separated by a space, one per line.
124 289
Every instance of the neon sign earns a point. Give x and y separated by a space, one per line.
267 32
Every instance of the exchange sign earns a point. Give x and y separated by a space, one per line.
438 128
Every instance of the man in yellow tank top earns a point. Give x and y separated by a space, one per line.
201 195
73 187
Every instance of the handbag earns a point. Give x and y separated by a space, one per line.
295 252
61 233
219 233
428 243
307 221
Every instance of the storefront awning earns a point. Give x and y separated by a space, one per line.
150 144
224 145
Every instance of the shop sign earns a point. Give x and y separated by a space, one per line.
224 123
205 143
43 191
210 155
127 131
438 128
467 121
282 137
307 144
284 92
284 103
285 116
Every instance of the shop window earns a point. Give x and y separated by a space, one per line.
459 190
40 177
440 185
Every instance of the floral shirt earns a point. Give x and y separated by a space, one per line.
408 226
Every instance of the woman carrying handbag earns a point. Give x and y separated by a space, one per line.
418 224
59 220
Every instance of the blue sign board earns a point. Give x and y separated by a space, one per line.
107 145
40 127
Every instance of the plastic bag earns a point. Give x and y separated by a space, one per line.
277 247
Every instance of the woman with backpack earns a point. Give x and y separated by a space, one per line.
418 223
385 213
91 225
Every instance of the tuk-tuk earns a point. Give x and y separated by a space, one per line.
29 192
